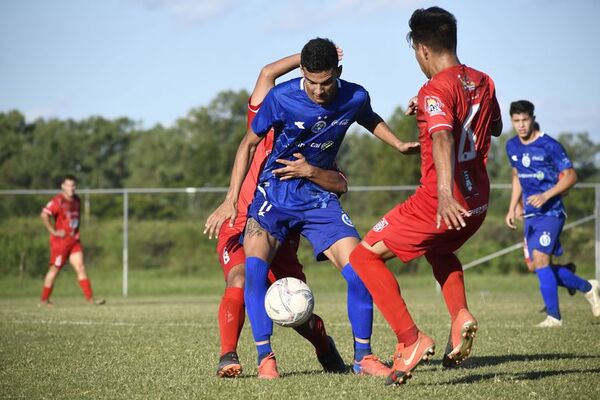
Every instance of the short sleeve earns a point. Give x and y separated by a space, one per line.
512 158
51 208
267 116
496 114
560 157
437 106
366 116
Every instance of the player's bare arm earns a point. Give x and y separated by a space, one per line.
568 180
48 225
413 106
449 210
383 132
228 209
330 180
515 197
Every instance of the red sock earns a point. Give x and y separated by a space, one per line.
231 318
314 331
86 286
447 270
46 292
382 285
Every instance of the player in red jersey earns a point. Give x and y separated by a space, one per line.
286 263
457 112
64 240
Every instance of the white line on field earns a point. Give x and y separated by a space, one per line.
122 323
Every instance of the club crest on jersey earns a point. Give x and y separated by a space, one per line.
526 161
318 126
346 220
380 225
545 239
434 106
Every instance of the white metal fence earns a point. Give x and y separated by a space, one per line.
126 192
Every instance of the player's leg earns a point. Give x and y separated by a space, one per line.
286 264
260 248
413 346
448 272
548 288
76 260
231 314
58 258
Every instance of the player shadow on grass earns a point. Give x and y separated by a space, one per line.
507 376
485 361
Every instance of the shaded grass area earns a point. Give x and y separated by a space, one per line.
167 346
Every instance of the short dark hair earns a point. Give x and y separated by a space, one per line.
522 107
319 55
68 177
433 27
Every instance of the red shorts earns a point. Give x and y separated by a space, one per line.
60 250
409 231
284 264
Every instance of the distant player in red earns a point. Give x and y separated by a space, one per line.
64 240
457 112
286 263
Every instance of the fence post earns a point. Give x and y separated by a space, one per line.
125 241
597 212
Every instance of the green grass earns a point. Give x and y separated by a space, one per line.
167 346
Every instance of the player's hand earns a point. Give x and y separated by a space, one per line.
340 53
299 168
410 148
60 233
226 212
510 219
451 212
537 200
413 106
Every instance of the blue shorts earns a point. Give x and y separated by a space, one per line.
542 234
321 226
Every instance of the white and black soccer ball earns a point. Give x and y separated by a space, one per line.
289 302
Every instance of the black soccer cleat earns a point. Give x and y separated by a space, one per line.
332 362
229 366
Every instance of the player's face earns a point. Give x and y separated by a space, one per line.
68 187
523 124
321 87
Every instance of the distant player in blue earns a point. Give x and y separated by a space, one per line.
537 161
310 117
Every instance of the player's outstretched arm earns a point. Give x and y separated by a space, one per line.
515 197
564 184
331 180
383 132
449 210
269 73
227 211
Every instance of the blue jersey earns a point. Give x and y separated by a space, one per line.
303 126
538 165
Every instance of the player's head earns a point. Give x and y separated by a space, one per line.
319 65
432 33
68 185
523 118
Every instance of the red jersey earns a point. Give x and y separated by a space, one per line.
462 100
66 215
251 181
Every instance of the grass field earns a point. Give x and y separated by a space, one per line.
167 347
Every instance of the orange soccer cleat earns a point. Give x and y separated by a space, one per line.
267 369
371 365
407 358
229 366
460 339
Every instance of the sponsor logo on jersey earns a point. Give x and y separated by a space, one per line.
537 158
342 122
318 126
380 225
346 220
467 84
299 124
327 145
545 239
526 161
540 175
434 106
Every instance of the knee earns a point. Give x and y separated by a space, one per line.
236 278
361 254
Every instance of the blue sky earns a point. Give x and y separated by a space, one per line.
154 60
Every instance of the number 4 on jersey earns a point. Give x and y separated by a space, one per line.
466 147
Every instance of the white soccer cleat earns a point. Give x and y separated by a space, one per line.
593 296
550 322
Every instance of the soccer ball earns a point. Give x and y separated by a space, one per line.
289 302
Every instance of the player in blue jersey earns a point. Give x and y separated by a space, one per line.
310 117
537 160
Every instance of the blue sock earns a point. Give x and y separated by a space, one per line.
255 290
360 312
566 278
549 289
